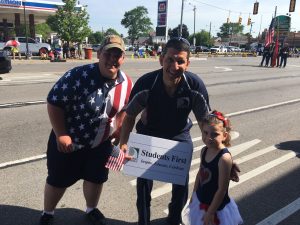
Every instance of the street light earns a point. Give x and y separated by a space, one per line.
180 31
194 36
27 52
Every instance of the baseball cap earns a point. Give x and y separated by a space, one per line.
113 41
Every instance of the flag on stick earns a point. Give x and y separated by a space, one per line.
116 159
275 52
270 34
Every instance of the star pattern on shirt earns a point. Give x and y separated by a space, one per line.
81 94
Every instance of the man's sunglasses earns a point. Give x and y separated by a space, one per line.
181 39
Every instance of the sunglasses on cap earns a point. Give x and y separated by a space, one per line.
181 39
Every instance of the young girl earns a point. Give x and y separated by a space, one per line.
210 203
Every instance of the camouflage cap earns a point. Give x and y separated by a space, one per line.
113 41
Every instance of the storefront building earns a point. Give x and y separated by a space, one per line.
14 14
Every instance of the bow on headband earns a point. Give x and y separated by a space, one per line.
220 116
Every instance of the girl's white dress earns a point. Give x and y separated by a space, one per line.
229 215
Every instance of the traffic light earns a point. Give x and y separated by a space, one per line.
249 21
292 5
255 8
240 20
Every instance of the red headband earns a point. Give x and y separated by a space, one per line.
220 117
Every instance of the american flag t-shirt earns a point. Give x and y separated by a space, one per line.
116 159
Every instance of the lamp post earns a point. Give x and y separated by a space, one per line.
180 31
194 36
25 24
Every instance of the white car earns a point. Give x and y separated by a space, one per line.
218 49
35 48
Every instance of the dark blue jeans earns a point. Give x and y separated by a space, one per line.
143 203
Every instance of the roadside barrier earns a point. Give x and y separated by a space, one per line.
226 54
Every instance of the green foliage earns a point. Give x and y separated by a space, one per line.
111 31
70 23
96 38
43 29
202 38
175 32
230 28
137 22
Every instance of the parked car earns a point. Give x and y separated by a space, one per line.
34 47
192 49
233 49
201 48
218 49
5 62
96 47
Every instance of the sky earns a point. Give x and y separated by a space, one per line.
106 14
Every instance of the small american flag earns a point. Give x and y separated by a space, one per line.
116 159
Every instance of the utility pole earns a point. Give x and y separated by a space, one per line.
209 29
194 39
26 35
251 27
180 31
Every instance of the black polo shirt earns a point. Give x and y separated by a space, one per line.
165 116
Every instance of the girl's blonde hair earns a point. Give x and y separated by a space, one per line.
216 117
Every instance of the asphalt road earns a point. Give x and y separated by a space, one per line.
263 104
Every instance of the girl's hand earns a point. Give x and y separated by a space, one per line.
208 219
234 173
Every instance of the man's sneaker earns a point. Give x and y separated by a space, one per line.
46 219
96 217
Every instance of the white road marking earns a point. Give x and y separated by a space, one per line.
261 169
255 154
264 107
237 149
7 105
197 59
25 160
225 69
293 66
281 214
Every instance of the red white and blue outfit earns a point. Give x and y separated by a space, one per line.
227 213
90 103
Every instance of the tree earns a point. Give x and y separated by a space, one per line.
111 31
70 22
202 38
137 22
43 29
96 37
230 28
175 32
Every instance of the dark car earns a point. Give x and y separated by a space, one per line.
5 62
192 49
201 49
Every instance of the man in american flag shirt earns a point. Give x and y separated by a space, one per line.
85 108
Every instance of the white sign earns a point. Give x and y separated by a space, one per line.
158 159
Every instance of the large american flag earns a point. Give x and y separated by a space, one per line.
116 159
270 34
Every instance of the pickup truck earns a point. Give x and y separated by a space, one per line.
35 48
